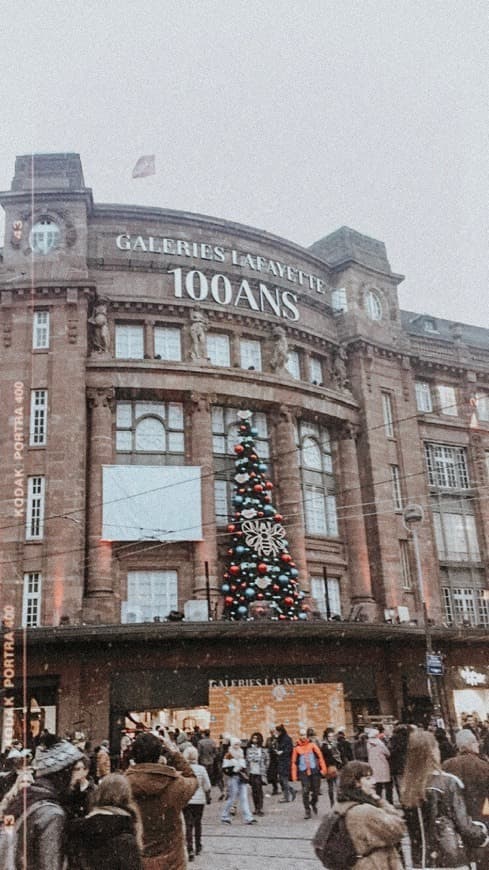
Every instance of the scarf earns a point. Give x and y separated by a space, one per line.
356 795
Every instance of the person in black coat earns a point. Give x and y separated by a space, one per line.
110 836
284 756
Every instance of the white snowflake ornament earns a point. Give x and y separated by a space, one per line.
263 582
249 513
241 478
245 415
267 538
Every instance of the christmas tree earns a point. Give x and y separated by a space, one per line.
259 567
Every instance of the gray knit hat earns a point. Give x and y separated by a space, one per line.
56 758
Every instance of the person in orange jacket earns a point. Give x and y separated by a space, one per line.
307 766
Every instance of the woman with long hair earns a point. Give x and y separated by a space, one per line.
440 830
234 766
374 826
110 836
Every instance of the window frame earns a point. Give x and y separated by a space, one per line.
136 328
318 484
40 331
170 453
38 420
293 364
254 353
447 404
31 600
424 398
318 592
451 462
174 332
373 305
388 414
215 354
147 599
396 488
35 508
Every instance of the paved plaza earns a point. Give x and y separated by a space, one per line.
281 839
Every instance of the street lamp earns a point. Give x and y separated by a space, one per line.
412 515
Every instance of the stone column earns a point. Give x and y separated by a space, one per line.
286 476
353 522
201 454
99 605
149 339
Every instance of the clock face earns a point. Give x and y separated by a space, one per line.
44 236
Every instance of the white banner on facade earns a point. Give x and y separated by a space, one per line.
161 503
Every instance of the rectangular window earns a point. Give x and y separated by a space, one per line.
221 501
250 354
40 332
293 365
423 397
396 487
388 415
39 418
447 402
315 511
455 530
447 466
339 301
34 527
405 560
150 595
482 404
466 605
218 349
316 371
327 595
168 343
129 341
31 600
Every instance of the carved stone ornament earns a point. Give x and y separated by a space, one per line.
101 397
100 340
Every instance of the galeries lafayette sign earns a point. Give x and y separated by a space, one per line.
260 295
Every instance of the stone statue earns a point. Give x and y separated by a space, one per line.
101 332
198 351
340 374
280 352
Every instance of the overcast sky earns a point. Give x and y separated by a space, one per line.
296 118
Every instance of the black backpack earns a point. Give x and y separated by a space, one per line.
333 844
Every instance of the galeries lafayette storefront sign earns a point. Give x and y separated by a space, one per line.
261 295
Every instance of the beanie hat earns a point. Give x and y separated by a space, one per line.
373 732
58 757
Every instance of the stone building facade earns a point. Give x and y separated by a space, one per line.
130 337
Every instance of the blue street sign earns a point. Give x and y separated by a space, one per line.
434 665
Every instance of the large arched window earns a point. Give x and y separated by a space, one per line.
318 484
149 433
225 435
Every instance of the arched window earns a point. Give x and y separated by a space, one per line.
318 483
150 435
373 305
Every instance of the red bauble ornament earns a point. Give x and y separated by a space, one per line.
261 514
253 456
241 490
234 569
242 428
239 448
260 595
230 552
289 600
257 488
231 528
252 474
286 557
228 599
278 517
269 484
262 568
267 499
276 588
282 616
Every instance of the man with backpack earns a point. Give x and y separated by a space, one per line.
307 766
33 831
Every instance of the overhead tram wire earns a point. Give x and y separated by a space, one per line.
67 514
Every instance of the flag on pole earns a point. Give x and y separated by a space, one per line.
144 166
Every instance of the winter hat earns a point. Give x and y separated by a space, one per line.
303 732
374 732
58 757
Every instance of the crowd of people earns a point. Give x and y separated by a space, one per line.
407 798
